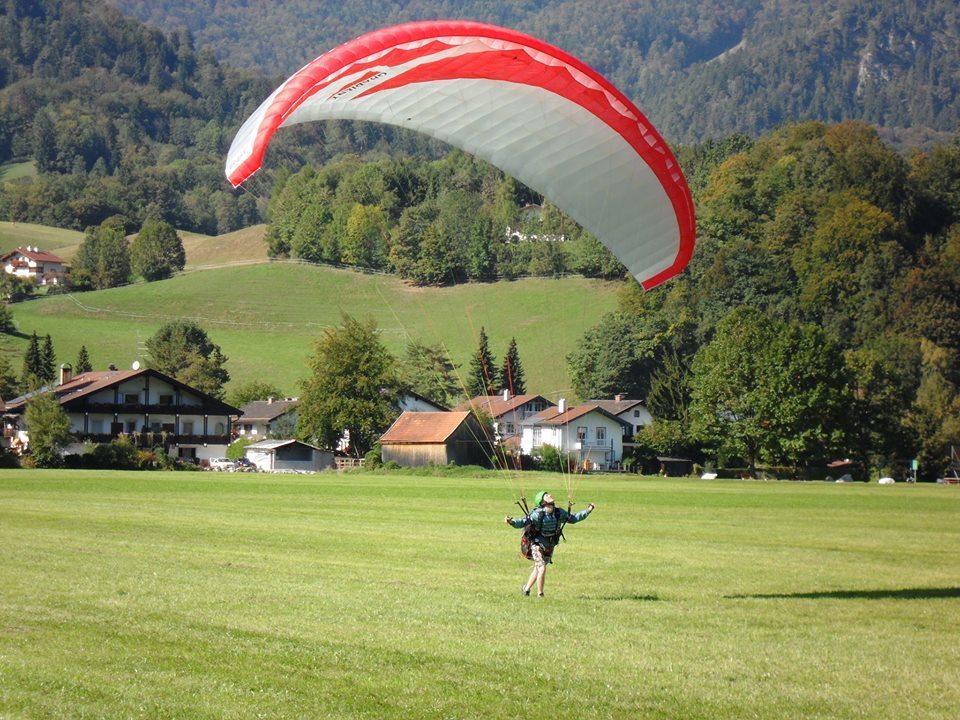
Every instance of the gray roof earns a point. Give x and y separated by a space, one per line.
274 444
265 411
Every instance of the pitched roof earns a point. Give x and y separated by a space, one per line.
77 387
90 382
616 407
270 445
495 406
551 416
265 411
423 427
36 255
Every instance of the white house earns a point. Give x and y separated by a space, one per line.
32 263
507 411
259 418
279 455
589 433
152 409
632 412
414 402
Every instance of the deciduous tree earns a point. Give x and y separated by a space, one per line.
352 386
183 350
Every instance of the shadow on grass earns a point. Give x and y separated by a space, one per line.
895 594
635 598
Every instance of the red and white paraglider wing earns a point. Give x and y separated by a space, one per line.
531 109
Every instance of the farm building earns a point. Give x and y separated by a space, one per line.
421 438
274 455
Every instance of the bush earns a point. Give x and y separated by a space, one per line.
552 460
373 458
391 465
238 448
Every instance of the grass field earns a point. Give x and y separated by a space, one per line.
58 240
266 317
393 596
17 170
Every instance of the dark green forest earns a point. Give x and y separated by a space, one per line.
122 120
699 70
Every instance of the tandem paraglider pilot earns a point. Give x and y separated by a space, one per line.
542 529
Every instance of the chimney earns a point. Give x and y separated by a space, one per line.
112 367
562 405
269 401
66 373
506 394
618 397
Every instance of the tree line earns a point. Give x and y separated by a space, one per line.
819 317
432 222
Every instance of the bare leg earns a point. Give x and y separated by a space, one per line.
541 575
531 580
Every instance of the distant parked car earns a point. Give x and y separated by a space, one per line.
222 464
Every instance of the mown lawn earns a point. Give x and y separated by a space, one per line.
267 318
395 596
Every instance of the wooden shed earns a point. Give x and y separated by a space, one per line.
422 438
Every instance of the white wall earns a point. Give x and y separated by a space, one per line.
564 438
638 417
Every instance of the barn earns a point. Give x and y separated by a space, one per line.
423 438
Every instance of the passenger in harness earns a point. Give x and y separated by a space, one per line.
542 530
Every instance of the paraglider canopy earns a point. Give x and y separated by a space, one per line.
527 107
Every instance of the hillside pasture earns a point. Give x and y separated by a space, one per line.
61 241
395 596
267 317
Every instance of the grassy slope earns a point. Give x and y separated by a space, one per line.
359 596
17 170
267 316
63 242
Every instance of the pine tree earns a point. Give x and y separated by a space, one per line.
482 378
32 376
48 361
83 361
512 372
8 381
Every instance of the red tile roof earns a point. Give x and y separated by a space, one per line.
495 406
82 384
36 255
423 427
551 416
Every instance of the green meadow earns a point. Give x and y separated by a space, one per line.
188 595
267 316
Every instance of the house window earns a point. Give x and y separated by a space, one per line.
537 440
636 413
247 427
218 429
638 429
510 429
156 427
131 426
581 433
186 428
601 432
131 398
165 399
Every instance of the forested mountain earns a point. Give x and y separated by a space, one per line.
698 69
